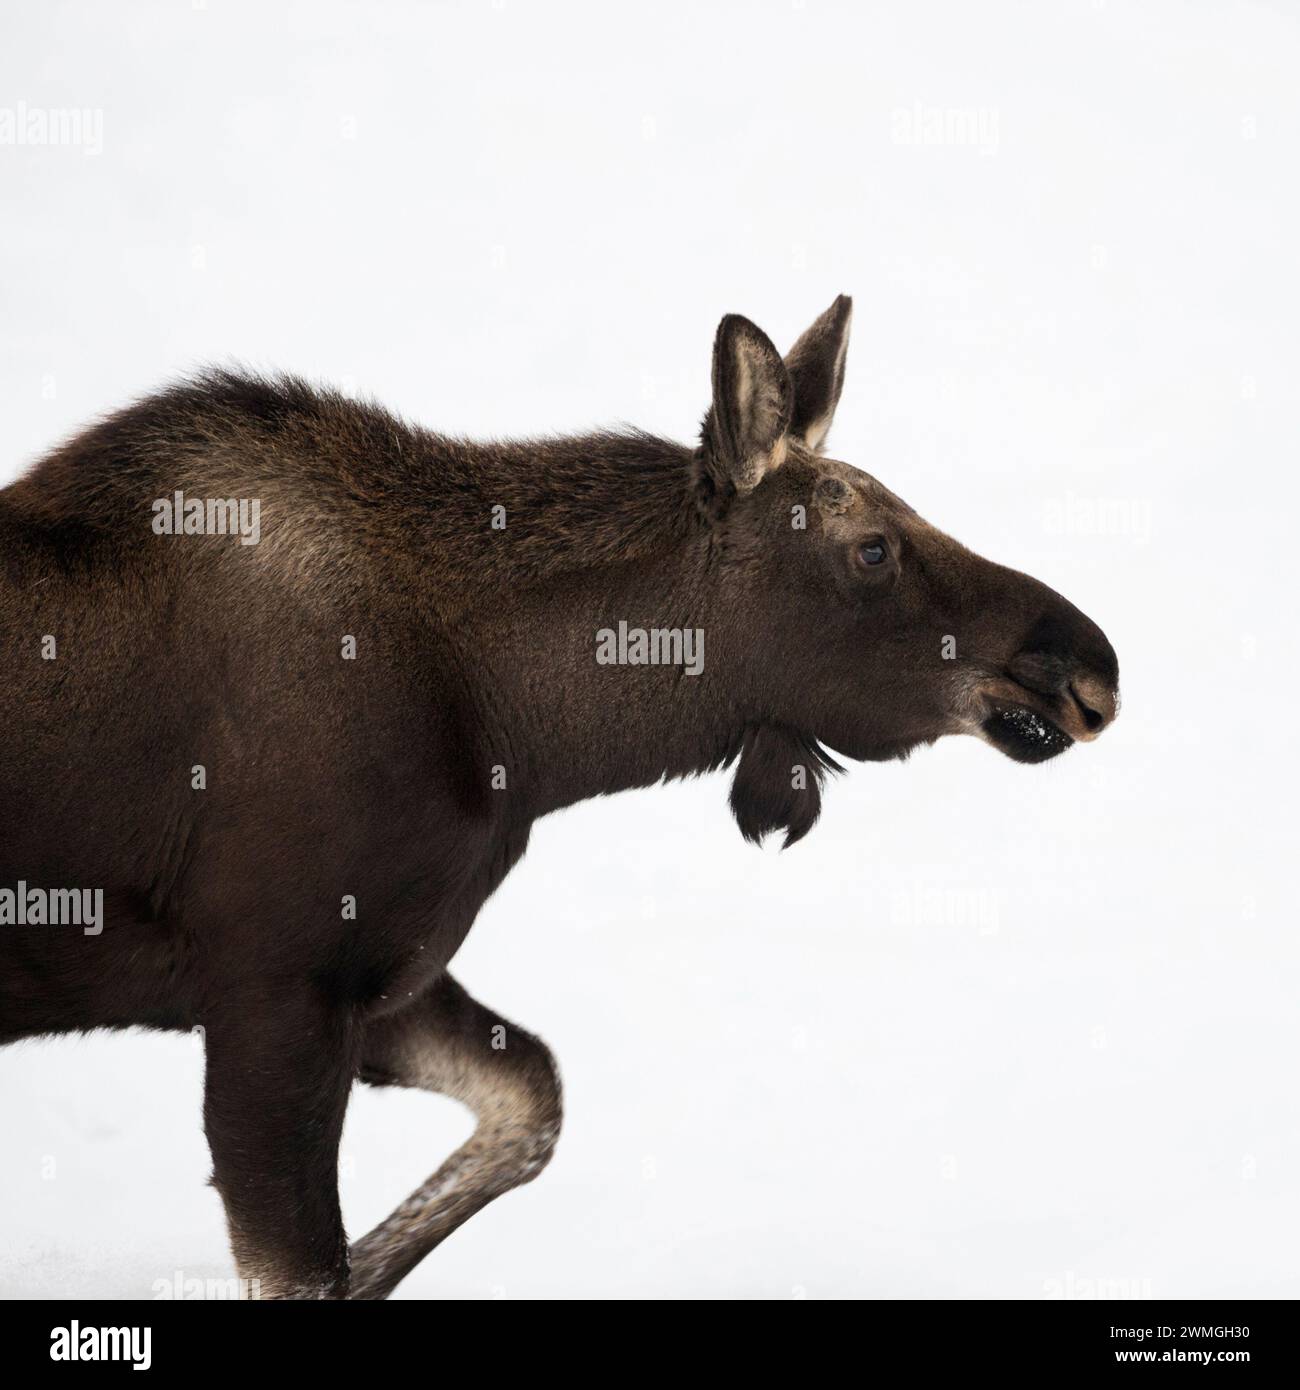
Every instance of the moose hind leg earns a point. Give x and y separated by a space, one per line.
449 1043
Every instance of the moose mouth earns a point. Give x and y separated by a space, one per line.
1024 734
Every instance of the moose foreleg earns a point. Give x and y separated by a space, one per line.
280 1065
447 1042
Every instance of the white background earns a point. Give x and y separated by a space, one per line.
992 1031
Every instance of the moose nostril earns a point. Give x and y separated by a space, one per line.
1096 702
1091 717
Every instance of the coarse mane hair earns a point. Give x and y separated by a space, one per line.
314 454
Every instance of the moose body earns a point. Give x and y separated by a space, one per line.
296 769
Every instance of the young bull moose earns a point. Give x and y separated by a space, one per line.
297 768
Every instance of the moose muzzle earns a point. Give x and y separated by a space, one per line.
1061 687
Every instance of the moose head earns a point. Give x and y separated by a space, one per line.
885 633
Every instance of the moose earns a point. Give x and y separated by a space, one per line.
295 769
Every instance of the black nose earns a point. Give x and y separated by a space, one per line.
1067 659
1064 641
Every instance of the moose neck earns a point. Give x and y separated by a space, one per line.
616 675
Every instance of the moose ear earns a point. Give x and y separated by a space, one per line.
816 367
752 402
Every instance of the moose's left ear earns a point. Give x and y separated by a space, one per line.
752 399
816 367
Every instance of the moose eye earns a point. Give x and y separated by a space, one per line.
871 552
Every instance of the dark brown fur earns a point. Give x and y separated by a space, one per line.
381 778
